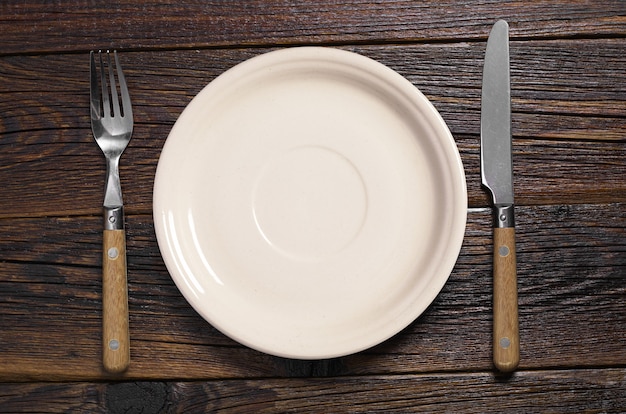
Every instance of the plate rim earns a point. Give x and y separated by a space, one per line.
348 58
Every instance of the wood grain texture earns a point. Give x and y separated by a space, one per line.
115 335
37 28
556 391
569 107
571 267
569 136
505 321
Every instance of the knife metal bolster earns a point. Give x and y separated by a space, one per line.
114 218
504 216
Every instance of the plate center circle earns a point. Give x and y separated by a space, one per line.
310 202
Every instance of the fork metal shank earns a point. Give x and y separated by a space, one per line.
114 218
113 193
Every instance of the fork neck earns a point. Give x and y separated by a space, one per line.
113 188
113 205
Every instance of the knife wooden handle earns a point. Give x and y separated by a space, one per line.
115 336
505 320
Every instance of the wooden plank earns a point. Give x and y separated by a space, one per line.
564 153
33 27
571 267
555 391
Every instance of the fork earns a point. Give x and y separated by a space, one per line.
112 127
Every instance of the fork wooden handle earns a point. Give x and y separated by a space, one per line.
115 336
505 319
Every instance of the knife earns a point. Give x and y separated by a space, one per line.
497 176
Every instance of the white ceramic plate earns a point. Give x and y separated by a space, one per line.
310 203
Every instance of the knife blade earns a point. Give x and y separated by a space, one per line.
497 176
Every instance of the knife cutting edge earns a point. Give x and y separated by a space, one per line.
497 176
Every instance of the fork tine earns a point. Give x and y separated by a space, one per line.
94 90
127 111
106 104
115 108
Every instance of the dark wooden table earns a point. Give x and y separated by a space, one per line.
568 72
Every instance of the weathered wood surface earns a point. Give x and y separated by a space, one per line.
579 390
569 140
80 25
569 113
572 267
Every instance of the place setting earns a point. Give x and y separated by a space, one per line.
312 207
310 202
